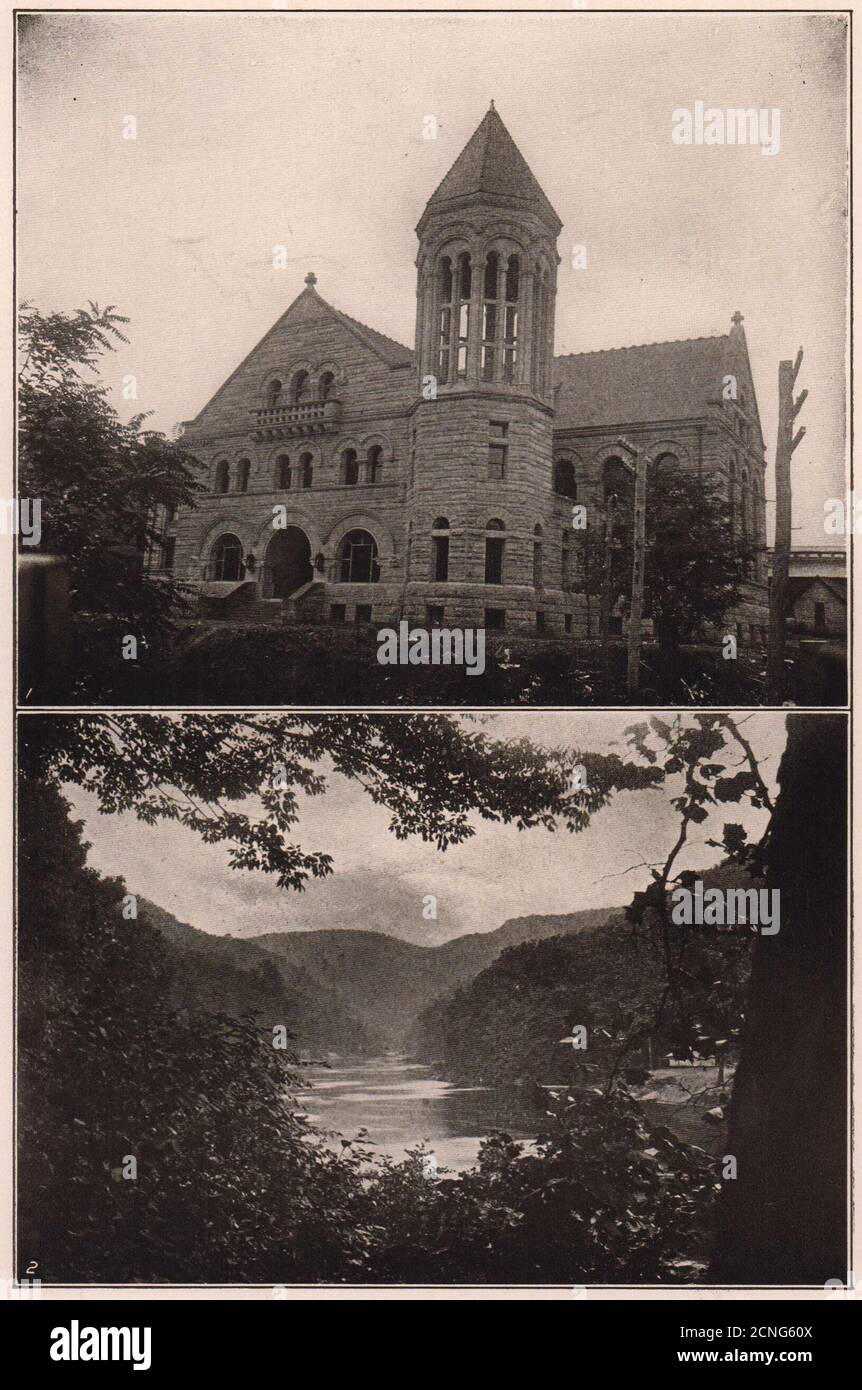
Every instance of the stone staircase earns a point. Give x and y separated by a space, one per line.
306 604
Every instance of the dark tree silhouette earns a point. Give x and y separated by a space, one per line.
784 1219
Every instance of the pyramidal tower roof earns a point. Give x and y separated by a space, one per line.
491 168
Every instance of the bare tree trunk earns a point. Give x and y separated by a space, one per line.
784 1218
785 445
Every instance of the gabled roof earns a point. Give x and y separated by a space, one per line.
797 586
491 164
310 305
654 381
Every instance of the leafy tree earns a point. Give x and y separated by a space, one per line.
100 481
431 771
694 567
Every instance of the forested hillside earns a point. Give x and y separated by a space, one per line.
388 982
221 974
506 1024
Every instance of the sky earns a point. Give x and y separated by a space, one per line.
306 131
379 883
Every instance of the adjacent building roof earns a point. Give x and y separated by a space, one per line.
491 164
652 382
797 587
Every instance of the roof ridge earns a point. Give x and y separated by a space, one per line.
633 347
366 328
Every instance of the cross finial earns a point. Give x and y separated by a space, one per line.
736 319
311 278
493 107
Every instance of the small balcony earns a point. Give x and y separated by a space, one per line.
293 421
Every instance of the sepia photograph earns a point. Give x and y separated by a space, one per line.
433 999
428 359
429 772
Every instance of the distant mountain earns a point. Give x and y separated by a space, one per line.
505 1023
389 982
224 975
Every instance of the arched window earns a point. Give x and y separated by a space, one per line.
273 393
299 389
222 476
489 315
326 385
446 290
243 469
375 463
283 471
357 559
666 461
306 470
440 548
465 289
350 467
616 480
494 553
565 482
227 558
510 327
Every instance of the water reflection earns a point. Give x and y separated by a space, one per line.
401 1104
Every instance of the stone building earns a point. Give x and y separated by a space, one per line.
350 479
817 593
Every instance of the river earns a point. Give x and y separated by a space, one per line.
401 1104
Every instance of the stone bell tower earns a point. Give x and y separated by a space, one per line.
480 479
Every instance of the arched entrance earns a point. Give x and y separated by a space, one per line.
288 558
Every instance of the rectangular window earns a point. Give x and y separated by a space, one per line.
820 615
540 622
494 560
615 625
489 334
445 337
495 619
441 558
337 613
463 337
567 622
497 462
435 615
363 613
169 545
510 347
537 564
498 449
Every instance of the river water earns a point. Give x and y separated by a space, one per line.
401 1104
